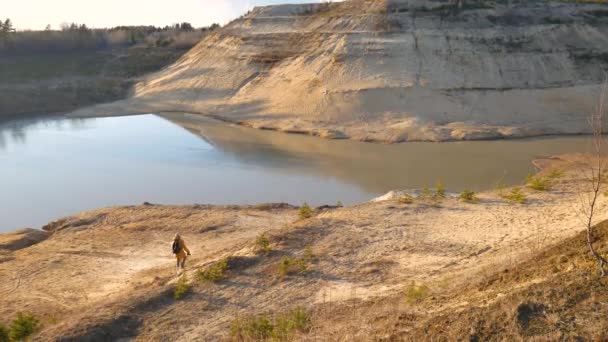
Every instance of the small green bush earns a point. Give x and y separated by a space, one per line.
291 265
215 272
406 199
264 328
4 333
252 328
297 319
468 196
339 204
538 183
262 244
23 326
182 287
516 195
416 293
305 211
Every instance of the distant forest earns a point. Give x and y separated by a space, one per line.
79 37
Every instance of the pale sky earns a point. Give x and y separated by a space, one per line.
36 14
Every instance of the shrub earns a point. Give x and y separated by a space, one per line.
439 190
215 272
182 287
555 174
252 328
305 211
426 193
308 254
291 265
416 293
406 199
297 319
538 183
263 328
339 204
262 244
23 326
4 333
468 196
516 195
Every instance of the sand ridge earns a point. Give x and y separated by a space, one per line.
390 71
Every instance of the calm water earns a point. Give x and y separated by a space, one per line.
56 167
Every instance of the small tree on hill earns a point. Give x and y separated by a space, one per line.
593 174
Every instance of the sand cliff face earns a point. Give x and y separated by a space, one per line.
392 71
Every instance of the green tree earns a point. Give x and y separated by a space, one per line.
186 27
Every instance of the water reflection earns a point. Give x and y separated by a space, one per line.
377 168
55 167
16 131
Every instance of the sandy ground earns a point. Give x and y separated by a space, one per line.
108 273
390 71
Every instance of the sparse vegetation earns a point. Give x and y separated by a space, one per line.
515 195
538 183
308 254
252 328
4 333
292 265
215 272
264 328
556 174
262 244
298 319
182 287
23 326
406 199
416 293
305 211
468 196
434 196
426 193
439 190
339 204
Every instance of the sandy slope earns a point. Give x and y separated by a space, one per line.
391 71
108 274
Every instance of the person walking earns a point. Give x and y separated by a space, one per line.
180 250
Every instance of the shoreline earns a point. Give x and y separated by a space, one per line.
319 132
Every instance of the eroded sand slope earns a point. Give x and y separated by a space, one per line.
391 71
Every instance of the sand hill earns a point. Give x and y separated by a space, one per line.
391 70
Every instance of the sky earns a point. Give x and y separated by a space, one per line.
36 14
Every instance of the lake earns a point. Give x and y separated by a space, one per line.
54 167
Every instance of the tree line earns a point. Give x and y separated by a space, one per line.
75 36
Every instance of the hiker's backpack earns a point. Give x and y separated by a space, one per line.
175 246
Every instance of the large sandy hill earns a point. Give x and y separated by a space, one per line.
392 70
